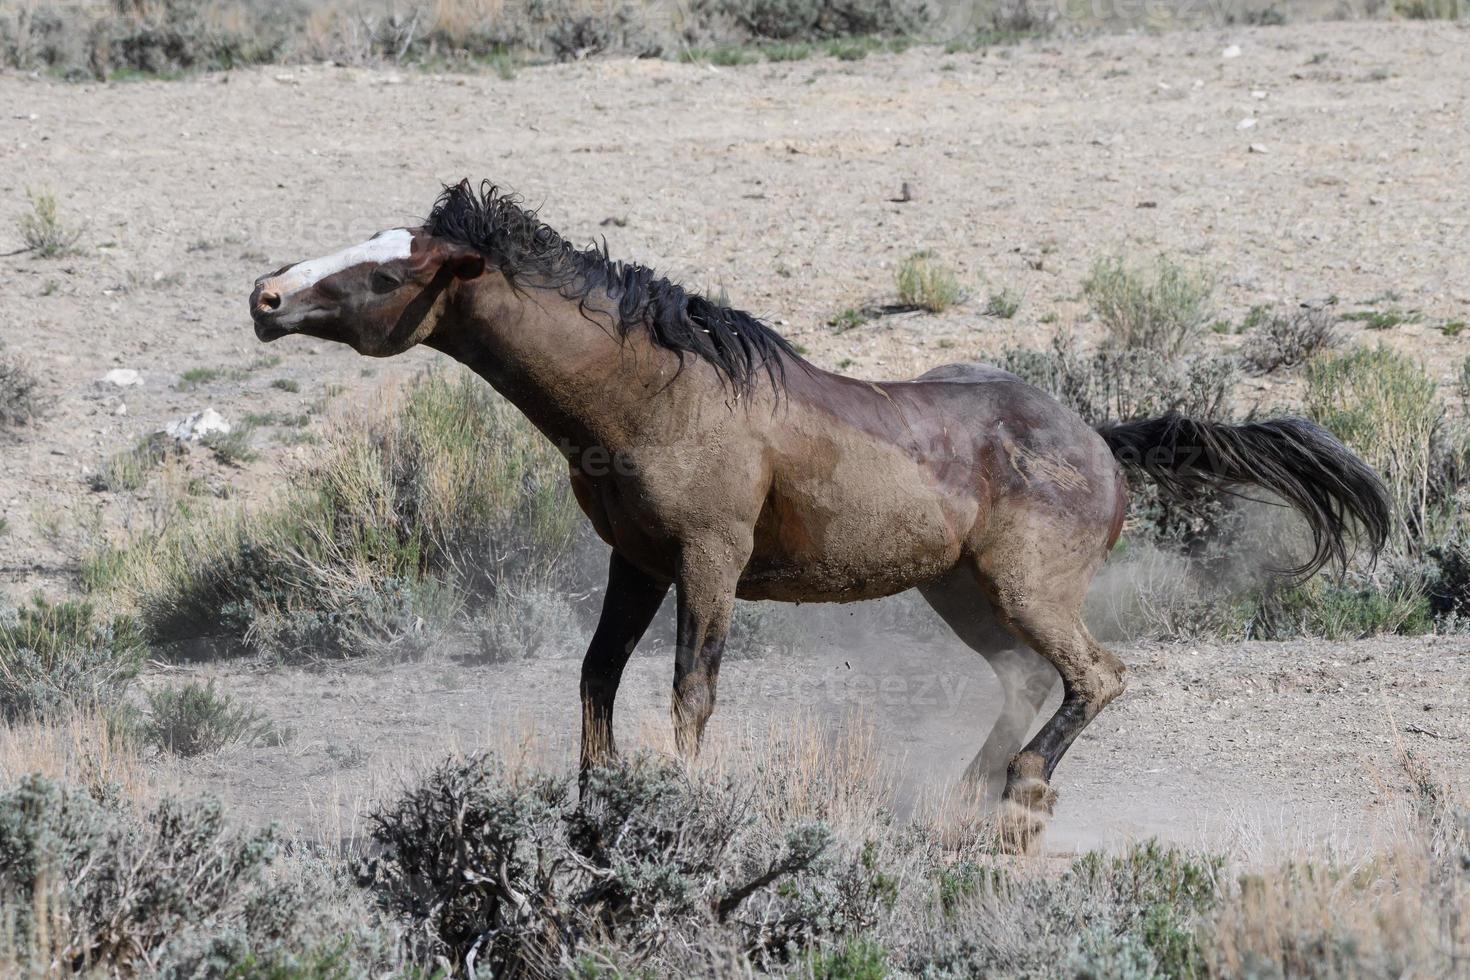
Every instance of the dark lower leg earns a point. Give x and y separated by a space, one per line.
1091 677
629 605
1026 680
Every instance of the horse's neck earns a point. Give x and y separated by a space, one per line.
566 369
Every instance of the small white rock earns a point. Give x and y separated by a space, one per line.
1258 94
1246 124
1258 148
1231 52
194 427
122 378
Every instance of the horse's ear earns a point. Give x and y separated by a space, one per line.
466 264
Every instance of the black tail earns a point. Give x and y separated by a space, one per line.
1299 461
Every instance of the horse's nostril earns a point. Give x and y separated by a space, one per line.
269 300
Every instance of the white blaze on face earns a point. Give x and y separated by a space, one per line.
383 247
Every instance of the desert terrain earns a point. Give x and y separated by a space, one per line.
1293 163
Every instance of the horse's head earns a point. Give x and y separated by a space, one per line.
380 297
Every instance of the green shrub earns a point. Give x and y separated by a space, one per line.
1385 408
193 719
853 959
1367 606
412 516
1163 311
924 283
56 655
43 230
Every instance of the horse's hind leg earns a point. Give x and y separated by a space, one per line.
1026 679
1038 593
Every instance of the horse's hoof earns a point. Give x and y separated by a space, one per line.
1018 828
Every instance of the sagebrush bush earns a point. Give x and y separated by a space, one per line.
506 870
53 656
101 889
927 284
1108 385
423 510
193 719
1286 340
1163 311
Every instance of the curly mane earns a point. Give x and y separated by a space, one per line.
530 253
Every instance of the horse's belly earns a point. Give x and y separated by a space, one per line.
840 542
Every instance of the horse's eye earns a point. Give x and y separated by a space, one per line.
385 280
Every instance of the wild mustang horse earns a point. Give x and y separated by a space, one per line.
711 457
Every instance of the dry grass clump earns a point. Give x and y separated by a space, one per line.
927 284
1163 310
42 229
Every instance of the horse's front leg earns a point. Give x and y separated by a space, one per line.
629 605
706 593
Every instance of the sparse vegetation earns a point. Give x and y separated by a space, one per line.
286 384
1287 340
194 719
1163 310
927 284
42 229
1381 319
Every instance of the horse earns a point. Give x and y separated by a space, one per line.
712 458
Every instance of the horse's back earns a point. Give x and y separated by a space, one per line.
971 371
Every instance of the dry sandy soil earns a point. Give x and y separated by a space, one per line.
775 183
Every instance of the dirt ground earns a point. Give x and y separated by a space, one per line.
1323 160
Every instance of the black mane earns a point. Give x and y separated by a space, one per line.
529 252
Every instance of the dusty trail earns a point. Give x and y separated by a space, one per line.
1269 743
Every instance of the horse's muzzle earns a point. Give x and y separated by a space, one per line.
265 309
